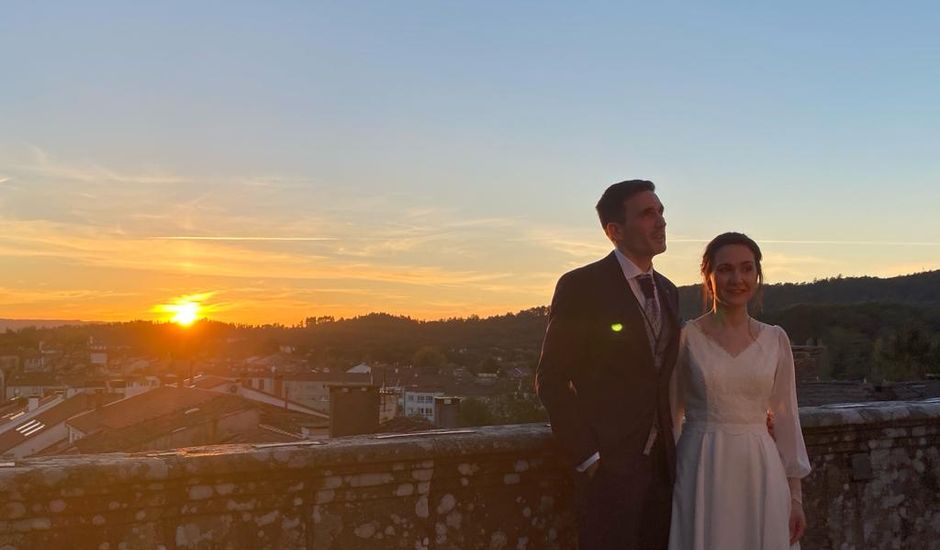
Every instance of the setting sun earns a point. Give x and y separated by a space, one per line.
185 310
186 314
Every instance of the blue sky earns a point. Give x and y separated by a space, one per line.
441 159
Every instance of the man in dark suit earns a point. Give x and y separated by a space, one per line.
603 376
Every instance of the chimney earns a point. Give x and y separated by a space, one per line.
354 410
447 412
32 404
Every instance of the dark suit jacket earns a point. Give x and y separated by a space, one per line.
596 375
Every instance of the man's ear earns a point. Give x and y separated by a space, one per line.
613 231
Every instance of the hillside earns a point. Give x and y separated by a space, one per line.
873 328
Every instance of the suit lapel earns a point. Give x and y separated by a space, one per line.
621 293
628 306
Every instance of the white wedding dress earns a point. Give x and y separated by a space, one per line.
731 490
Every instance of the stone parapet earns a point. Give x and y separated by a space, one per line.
876 475
874 485
491 487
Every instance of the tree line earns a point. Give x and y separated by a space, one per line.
872 328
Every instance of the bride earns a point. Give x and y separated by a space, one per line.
737 487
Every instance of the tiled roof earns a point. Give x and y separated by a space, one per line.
208 381
56 415
211 382
329 377
133 424
290 421
143 407
405 424
14 408
33 379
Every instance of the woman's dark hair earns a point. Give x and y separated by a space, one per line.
708 263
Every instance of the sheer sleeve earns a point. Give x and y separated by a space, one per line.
789 435
677 387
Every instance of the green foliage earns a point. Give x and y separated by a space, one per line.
475 412
488 365
503 409
864 322
906 353
429 359
866 340
849 354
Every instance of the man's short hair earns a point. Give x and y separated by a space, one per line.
610 207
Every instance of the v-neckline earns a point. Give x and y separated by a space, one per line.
724 350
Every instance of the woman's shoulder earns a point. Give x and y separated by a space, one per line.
775 330
697 322
693 324
696 332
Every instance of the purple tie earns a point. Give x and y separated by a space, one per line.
651 305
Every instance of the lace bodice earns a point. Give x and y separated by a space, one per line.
714 390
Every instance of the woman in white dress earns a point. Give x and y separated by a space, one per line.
737 485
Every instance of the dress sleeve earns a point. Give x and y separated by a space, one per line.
787 430
677 387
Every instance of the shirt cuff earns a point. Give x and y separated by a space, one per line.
587 463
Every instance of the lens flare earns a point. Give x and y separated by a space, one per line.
184 310
186 314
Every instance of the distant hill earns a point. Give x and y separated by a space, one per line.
17 324
920 289
873 328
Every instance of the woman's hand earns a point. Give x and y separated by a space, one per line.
797 521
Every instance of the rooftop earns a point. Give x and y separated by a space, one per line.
52 417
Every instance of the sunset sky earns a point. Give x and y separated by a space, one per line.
279 160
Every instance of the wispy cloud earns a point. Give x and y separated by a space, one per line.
243 238
275 248
11 296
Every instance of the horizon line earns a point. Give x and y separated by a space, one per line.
83 321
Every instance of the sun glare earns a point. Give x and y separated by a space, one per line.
185 310
186 313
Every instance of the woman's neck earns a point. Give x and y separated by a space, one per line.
731 317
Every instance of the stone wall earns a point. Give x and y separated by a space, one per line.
481 488
875 485
876 478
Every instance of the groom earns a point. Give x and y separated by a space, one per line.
603 376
